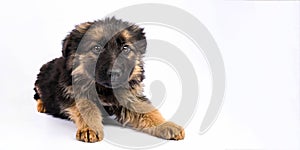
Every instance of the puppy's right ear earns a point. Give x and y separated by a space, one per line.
71 42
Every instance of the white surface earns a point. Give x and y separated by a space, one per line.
260 46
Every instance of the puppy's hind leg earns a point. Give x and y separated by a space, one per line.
88 120
40 106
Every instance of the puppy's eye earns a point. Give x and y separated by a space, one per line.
126 49
97 49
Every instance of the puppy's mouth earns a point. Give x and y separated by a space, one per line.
112 83
113 78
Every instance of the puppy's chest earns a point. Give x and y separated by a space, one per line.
108 100
105 98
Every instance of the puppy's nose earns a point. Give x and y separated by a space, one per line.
114 74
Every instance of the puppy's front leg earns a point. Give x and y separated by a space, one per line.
88 120
144 117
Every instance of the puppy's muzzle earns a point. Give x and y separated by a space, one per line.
115 78
114 74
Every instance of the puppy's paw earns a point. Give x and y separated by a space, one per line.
40 106
89 135
170 131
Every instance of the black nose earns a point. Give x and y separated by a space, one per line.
114 74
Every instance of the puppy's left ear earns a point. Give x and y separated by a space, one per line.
140 38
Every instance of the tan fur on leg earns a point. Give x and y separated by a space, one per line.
40 106
88 120
152 123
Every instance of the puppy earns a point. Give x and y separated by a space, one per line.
101 67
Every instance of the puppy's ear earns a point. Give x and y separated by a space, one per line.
140 38
71 42
66 44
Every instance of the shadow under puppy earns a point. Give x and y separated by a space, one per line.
101 66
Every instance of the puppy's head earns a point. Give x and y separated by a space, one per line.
113 46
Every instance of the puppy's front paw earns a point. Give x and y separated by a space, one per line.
170 131
88 135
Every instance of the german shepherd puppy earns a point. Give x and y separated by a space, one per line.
101 67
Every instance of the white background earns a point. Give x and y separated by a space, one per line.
259 42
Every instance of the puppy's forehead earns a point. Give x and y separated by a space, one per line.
103 32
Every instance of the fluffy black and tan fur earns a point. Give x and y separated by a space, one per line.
101 66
